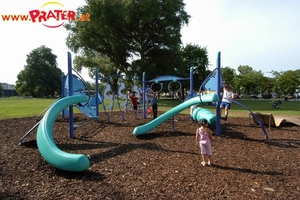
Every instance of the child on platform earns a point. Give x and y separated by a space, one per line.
228 95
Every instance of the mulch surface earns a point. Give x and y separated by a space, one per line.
162 164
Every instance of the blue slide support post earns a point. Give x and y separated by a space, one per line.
144 96
192 81
96 93
218 124
70 88
63 114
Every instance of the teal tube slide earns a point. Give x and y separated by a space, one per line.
46 144
202 113
140 130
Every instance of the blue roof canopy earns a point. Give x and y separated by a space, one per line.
167 78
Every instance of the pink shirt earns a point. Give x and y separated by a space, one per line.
204 137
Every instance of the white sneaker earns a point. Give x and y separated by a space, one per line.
209 163
203 163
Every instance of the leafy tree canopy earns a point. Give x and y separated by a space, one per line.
40 76
133 36
228 75
247 80
195 56
286 82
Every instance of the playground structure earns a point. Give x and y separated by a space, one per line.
171 79
89 106
198 114
74 84
191 99
73 94
78 162
218 91
212 82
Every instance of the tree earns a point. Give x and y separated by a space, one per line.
195 56
95 60
40 76
286 82
136 36
248 80
244 69
228 75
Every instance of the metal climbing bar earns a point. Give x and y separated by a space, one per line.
34 127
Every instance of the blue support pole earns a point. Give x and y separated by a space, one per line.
71 123
97 92
63 114
173 124
218 74
144 95
191 81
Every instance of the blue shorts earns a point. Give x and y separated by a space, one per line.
225 105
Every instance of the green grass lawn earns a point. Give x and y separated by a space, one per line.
22 107
25 107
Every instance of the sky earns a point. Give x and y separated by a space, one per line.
264 34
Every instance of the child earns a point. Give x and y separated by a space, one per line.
228 95
134 102
149 111
154 104
204 140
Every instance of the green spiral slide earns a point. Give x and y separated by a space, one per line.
140 130
45 142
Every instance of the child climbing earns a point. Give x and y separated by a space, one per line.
228 95
134 101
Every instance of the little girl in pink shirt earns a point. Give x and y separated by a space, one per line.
204 140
